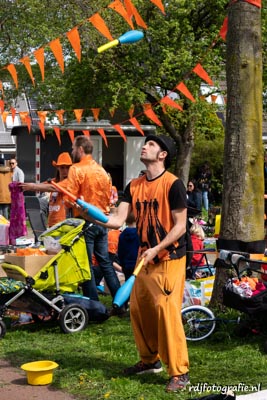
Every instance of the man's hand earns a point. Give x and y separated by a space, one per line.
149 255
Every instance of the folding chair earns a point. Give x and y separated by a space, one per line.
35 216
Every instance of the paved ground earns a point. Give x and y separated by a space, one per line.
14 386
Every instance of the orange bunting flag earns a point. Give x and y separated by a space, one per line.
183 89
102 133
224 28
12 70
213 98
132 11
2 106
78 112
159 4
256 3
4 116
23 115
13 113
86 133
119 8
42 116
95 112
39 55
59 114
167 100
57 132
112 111
1 86
100 25
150 114
118 128
28 122
199 70
131 111
56 48
135 123
26 62
71 135
74 39
42 129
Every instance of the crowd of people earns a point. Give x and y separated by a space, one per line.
199 193
150 221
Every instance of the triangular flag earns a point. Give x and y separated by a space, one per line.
256 3
102 133
119 8
213 98
42 116
131 111
1 86
2 106
100 25
28 122
150 114
74 39
42 129
95 112
13 113
57 132
4 116
23 115
224 28
135 123
112 111
119 129
71 135
167 100
12 70
132 11
60 116
78 114
56 48
159 4
86 133
183 89
39 55
199 70
26 62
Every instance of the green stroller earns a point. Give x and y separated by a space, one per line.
53 292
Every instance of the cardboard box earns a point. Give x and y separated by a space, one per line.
31 264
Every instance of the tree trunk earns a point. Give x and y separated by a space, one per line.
242 220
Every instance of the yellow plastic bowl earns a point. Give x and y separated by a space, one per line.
39 372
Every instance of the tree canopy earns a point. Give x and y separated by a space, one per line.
126 75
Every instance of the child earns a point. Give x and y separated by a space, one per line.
197 237
128 247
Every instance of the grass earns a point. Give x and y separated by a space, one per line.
90 362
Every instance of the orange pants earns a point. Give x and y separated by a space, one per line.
156 303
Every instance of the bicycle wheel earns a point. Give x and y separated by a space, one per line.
199 322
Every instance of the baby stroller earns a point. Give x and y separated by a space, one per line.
253 303
52 292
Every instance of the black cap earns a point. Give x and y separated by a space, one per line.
167 144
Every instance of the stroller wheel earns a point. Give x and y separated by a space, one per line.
2 329
73 318
199 322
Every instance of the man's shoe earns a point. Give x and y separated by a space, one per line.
177 383
142 368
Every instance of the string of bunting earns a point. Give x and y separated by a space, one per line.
147 107
127 11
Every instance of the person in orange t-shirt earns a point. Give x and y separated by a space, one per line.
57 211
88 179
